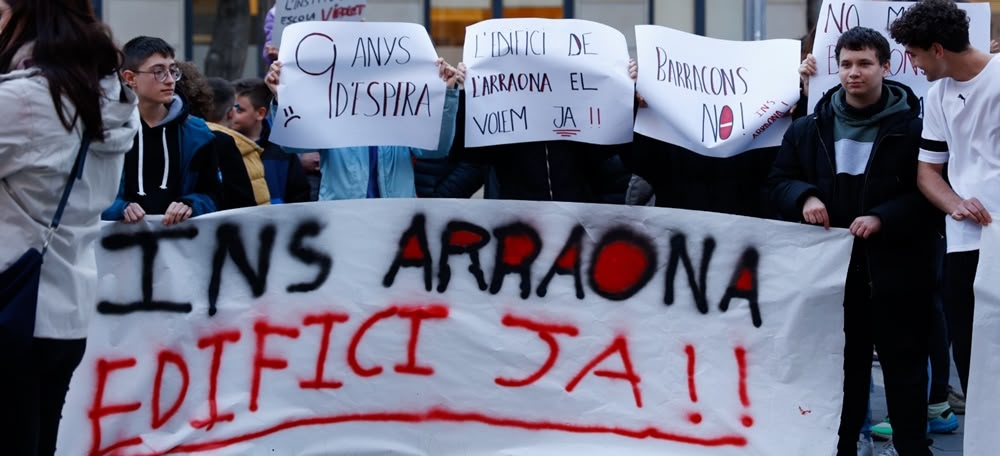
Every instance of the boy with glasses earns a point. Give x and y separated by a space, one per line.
172 168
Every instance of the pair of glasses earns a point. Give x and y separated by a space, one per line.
161 75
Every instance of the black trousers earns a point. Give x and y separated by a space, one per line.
32 393
940 358
897 327
940 339
959 305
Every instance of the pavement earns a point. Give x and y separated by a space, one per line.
944 444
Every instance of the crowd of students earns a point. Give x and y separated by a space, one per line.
864 161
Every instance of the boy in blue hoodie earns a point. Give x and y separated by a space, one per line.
172 168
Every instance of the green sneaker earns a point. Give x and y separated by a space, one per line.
882 431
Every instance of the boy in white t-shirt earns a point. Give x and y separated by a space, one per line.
961 130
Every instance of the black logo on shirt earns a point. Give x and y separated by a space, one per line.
961 97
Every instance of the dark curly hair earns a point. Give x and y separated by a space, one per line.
932 21
861 38
195 90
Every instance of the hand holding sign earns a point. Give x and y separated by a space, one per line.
451 76
633 72
814 212
865 226
807 70
273 77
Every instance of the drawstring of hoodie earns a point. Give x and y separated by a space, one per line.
166 163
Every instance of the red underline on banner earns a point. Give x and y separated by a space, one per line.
445 415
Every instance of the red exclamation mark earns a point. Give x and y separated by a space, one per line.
592 116
741 362
694 417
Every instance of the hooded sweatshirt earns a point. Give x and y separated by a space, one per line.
36 156
178 163
854 134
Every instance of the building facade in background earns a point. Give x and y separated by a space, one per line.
187 24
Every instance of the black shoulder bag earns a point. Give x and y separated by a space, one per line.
19 282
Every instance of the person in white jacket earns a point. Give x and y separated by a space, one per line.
58 79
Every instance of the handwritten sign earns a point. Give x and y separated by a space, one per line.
717 98
982 411
546 79
463 327
288 12
838 16
358 84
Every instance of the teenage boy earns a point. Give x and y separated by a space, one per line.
219 120
286 180
852 164
961 129
172 168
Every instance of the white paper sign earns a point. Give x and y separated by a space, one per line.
983 409
546 79
838 16
462 328
358 84
715 97
288 12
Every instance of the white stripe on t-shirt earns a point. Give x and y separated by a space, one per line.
937 158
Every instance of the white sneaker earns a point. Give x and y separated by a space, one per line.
865 446
889 450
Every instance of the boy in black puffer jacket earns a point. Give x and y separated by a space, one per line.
852 164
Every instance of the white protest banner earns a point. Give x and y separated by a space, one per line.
715 97
546 79
983 409
463 327
838 16
358 84
288 12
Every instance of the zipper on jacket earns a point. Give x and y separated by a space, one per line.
871 159
826 153
861 208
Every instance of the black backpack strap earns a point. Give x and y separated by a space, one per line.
76 173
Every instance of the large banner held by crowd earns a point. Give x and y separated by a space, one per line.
546 79
838 16
463 327
358 84
715 97
288 12
983 409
